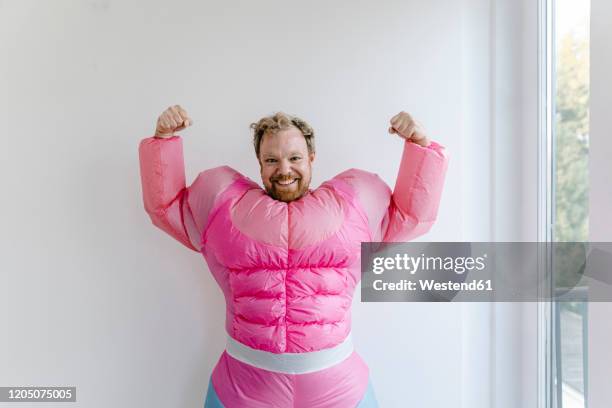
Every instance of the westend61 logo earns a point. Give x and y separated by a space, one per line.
411 264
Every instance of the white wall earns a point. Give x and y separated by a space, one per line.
500 191
96 297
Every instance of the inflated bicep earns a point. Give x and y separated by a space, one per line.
418 189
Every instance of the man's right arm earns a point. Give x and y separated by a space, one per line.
179 210
164 192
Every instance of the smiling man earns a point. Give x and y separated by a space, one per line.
287 258
285 149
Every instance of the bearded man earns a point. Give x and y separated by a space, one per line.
287 257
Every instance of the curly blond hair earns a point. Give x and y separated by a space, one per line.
281 121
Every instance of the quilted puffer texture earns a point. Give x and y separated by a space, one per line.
288 270
288 291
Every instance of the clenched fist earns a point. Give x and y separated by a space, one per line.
172 120
408 128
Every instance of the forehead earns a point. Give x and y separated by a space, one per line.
283 142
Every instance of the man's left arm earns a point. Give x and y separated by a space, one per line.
413 207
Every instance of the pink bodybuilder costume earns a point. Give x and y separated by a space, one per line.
288 271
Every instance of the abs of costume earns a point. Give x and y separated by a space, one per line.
288 271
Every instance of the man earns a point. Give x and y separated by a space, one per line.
288 258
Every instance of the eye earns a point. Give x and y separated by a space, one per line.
295 158
270 160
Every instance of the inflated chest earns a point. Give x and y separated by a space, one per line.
288 270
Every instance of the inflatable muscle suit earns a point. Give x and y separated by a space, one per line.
288 270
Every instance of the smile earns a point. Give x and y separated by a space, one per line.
287 182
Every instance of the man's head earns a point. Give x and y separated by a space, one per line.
284 146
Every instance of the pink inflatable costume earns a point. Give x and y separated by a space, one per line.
288 271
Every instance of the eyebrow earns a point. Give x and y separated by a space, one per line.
271 155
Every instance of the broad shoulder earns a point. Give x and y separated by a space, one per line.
362 182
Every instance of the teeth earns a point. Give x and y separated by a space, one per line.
285 183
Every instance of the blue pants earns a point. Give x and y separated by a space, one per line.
368 401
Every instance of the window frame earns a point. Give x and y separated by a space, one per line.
544 201
550 381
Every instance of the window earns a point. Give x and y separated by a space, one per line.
570 181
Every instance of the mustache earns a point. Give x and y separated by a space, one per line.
285 178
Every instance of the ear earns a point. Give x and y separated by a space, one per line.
311 156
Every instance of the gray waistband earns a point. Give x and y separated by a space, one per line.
290 363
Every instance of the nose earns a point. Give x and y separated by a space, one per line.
284 167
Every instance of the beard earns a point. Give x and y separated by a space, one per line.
285 195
